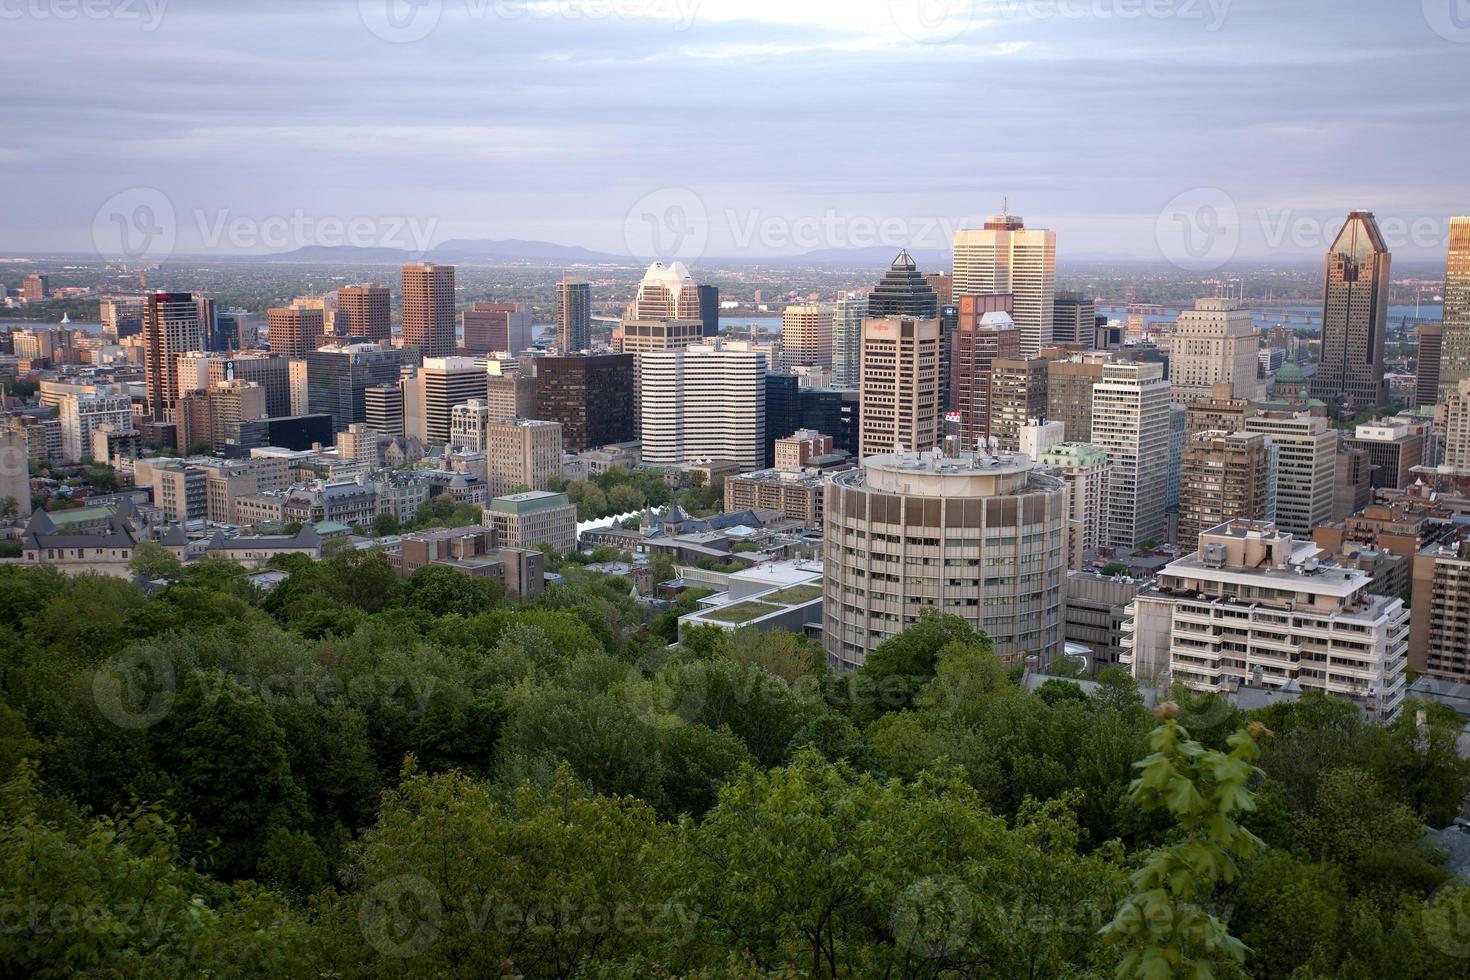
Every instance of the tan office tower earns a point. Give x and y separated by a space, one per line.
1439 630
365 314
1457 427
573 316
1354 317
1130 422
900 386
1004 257
496 328
984 332
641 336
1427 365
806 337
294 330
1226 476
510 394
429 396
171 327
666 292
428 309
1069 386
1455 362
1017 396
1215 343
1306 467
977 536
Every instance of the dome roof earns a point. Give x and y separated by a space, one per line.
1289 372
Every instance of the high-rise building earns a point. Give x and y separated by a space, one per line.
1354 317
1455 363
518 452
847 341
82 414
1352 484
1017 396
338 376
430 395
709 309
1226 475
573 316
364 314
943 285
1074 320
1427 364
294 331
428 309
1085 469
667 292
590 395
1130 422
978 536
1215 343
281 377
122 316
1004 257
903 292
206 416
1394 449
900 386
496 328
783 410
1256 607
510 394
704 403
984 333
1306 467
1439 639
382 409
1457 426
641 336
35 288
806 336
170 328
1069 386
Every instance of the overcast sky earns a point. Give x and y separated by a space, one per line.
1193 130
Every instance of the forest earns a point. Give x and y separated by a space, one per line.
355 775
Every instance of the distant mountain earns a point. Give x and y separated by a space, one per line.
458 249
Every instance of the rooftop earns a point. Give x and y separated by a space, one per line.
529 503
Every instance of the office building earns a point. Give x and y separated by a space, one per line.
1255 606
35 288
1394 448
208 416
1427 364
1004 257
903 292
1130 422
709 309
1354 318
900 385
977 536
591 396
806 336
642 336
283 378
83 414
519 453
573 316
122 316
428 309
1084 468
510 394
797 495
1038 437
534 520
171 327
364 314
703 403
1069 387
1439 636
382 409
983 333
496 328
667 292
1218 413
847 341
1455 362
339 376
295 331
1017 396
1215 343
1306 466
1074 320
430 395
1226 475
1352 484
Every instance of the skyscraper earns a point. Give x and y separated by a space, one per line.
847 341
903 292
1215 343
703 403
573 316
900 388
1003 257
294 330
338 377
1130 422
984 332
668 292
1226 476
1074 320
1069 387
1428 364
364 314
428 309
429 397
1354 317
1017 395
1306 467
171 327
496 328
590 395
1455 363
709 309
806 336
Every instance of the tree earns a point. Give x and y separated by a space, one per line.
443 591
9 507
152 561
385 524
899 667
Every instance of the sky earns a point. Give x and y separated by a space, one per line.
1199 132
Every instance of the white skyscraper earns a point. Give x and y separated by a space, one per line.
703 403
81 414
1004 257
1130 422
1306 468
1215 343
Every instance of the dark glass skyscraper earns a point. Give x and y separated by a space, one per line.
709 309
1354 317
573 316
904 292
783 410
